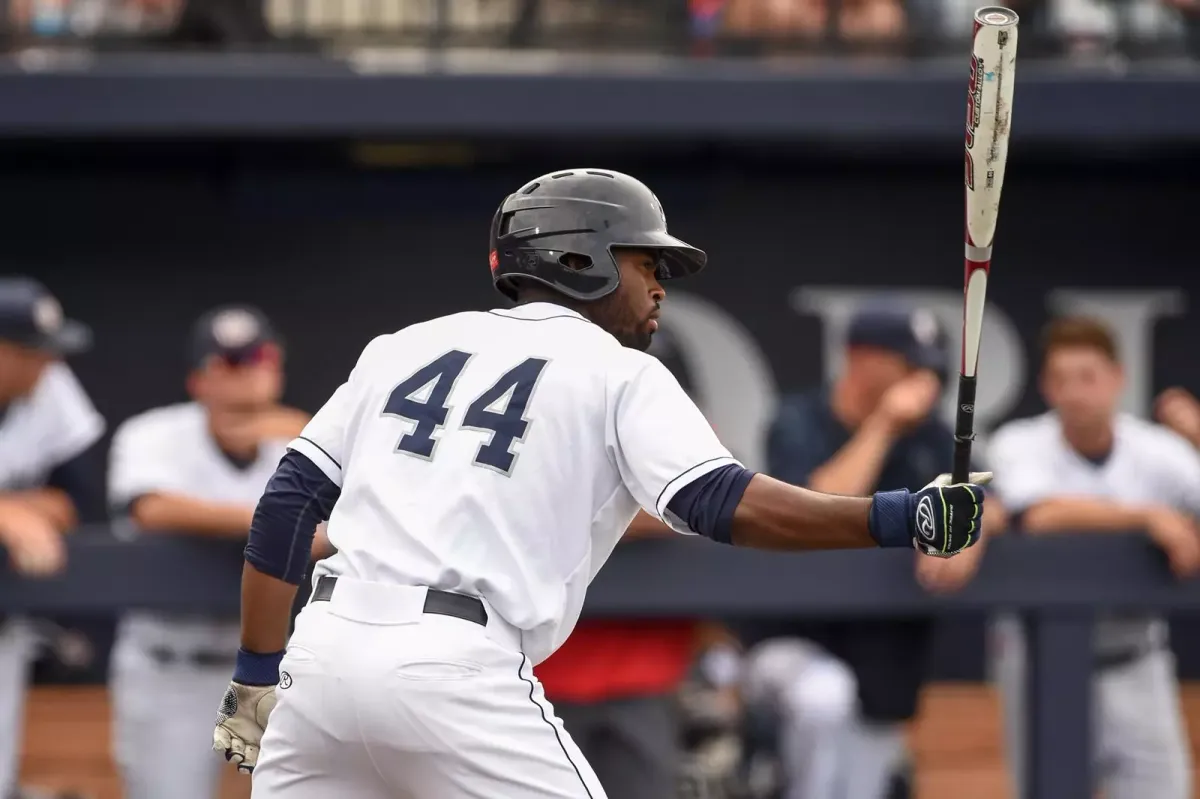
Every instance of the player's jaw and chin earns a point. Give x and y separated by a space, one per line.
631 328
624 316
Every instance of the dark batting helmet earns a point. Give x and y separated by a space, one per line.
583 213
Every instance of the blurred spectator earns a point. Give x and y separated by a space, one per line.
1085 467
853 20
54 18
187 22
218 23
50 475
844 690
196 469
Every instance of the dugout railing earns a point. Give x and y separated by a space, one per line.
1056 583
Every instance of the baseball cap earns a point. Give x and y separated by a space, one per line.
32 317
234 333
913 333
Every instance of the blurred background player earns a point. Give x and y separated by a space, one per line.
196 469
1085 466
49 474
843 690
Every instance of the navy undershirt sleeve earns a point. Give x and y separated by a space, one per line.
707 504
82 479
297 499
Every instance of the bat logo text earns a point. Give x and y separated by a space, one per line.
974 103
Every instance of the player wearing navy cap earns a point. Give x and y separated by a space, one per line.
195 469
843 689
50 469
477 470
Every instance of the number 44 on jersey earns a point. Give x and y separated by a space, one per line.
424 398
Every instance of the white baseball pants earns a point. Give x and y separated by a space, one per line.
379 700
1139 739
163 719
18 646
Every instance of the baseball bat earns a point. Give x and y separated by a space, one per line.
989 114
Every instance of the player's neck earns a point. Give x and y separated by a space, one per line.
239 449
1091 442
531 296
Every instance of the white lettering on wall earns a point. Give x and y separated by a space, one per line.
736 387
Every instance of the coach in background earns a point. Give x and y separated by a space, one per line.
194 469
50 471
1085 467
844 690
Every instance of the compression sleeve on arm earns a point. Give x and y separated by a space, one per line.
298 498
81 478
707 503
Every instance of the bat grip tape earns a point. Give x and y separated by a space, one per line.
964 429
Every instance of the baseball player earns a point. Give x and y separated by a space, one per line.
842 691
1083 466
195 468
476 471
49 476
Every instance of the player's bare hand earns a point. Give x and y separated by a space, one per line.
241 720
909 402
35 546
947 575
1178 537
1179 410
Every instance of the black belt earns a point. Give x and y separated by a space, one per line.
171 657
1115 660
442 603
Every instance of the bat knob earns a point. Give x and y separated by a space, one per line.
996 15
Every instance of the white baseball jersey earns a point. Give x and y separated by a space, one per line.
1149 465
170 450
502 454
54 424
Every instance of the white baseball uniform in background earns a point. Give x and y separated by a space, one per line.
500 455
165 668
53 425
1140 743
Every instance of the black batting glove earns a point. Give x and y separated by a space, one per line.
942 519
